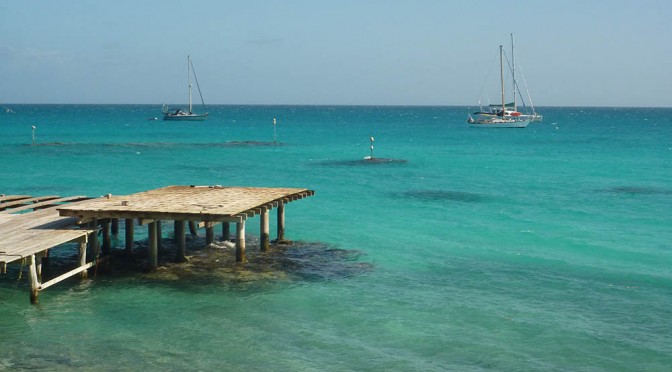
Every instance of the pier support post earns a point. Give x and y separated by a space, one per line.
114 226
153 246
106 238
281 223
128 223
94 240
82 257
264 232
180 239
159 234
192 228
240 241
38 264
226 231
209 233
34 282
45 258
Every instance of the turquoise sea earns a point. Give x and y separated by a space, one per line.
545 248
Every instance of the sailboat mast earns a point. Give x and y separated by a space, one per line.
513 74
501 76
189 80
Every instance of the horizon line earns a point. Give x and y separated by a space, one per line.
4 105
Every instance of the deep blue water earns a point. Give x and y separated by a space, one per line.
544 248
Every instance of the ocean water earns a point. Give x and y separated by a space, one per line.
544 248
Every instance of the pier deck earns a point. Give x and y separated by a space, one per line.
193 203
30 226
30 232
209 205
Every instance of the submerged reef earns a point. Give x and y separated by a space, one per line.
288 261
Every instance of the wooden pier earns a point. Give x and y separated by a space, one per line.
31 235
29 227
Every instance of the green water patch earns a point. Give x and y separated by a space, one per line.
249 144
362 162
442 196
637 190
156 144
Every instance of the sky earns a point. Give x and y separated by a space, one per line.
334 52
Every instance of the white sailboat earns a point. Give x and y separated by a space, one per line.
530 113
499 116
188 115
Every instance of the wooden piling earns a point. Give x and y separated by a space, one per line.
159 234
192 228
81 255
240 242
153 246
264 233
180 239
107 244
281 222
209 233
114 226
34 282
38 264
128 223
226 231
95 251
45 258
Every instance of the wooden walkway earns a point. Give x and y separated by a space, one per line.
29 226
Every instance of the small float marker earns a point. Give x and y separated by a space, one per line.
275 139
372 139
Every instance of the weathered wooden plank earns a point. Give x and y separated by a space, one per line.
29 233
6 198
21 202
70 273
23 245
6 217
46 204
41 223
185 203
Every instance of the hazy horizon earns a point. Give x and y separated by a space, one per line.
300 52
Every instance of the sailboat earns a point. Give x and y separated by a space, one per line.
188 115
531 113
499 116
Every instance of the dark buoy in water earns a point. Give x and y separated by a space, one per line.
370 157
365 161
373 160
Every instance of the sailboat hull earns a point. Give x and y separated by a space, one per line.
499 124
186 117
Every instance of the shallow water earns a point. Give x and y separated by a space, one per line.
539 248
